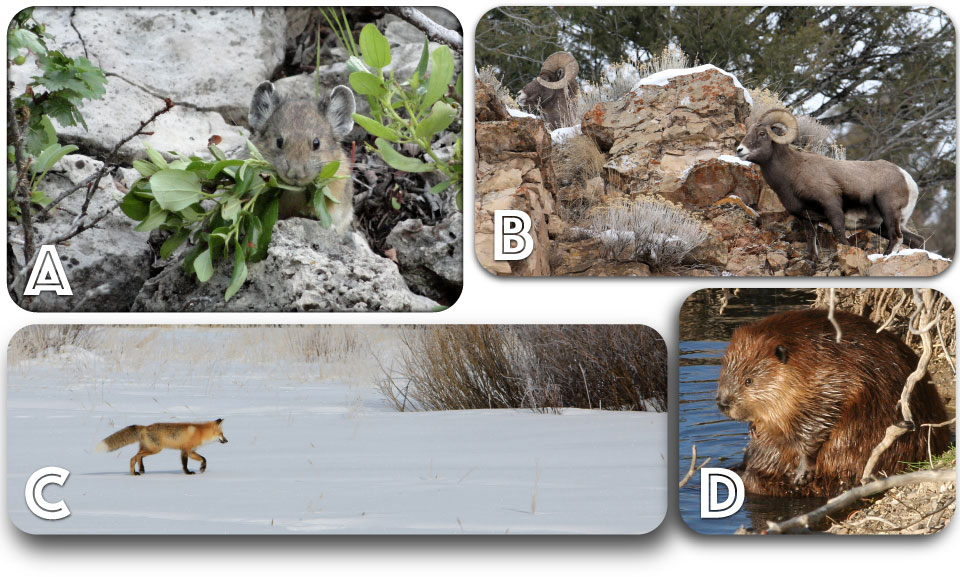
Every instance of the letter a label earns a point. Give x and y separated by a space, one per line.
47 274
511 235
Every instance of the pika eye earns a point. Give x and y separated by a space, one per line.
316 144
280 142
748 382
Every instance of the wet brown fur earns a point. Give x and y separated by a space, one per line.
816 407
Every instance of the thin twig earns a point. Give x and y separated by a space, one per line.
833 320
693 466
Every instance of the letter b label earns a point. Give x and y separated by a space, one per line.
511 235
710 505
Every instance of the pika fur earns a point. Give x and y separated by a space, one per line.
817 408
299 137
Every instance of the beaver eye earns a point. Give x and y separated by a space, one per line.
316 143
748 382
280 142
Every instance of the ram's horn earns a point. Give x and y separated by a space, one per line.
556 62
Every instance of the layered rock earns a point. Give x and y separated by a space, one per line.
514 172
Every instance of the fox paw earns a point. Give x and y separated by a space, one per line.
189 472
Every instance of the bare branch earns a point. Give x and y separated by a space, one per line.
850 497
434 31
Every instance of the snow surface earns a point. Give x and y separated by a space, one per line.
561 134
313 447
664 76
733 160
906 252
520 114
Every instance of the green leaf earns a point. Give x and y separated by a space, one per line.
399 161
175 189
40 135
135 207
155 157
441 116
441 73
460 201
230 209
156 218
355 64
424 59
394 203
368 84
441 186
376 129
329 170
222 164
174 242
317 199
268 219
50 156
239 272
203 265
146 169
374 47
459 86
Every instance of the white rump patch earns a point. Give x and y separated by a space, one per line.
912 199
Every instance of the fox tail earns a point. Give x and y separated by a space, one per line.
121 438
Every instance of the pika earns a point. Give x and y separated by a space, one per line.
299 137
816 407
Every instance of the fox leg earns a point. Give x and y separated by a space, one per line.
138 458
197 457
183 461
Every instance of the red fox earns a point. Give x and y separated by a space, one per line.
158 436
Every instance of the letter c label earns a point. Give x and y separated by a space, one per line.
34 493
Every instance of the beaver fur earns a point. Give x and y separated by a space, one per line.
817 408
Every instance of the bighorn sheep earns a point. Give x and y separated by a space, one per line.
555 89
876 194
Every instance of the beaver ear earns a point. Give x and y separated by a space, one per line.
781 352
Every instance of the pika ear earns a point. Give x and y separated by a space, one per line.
781 352
340 111
265 102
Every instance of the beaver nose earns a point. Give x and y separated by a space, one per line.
723 403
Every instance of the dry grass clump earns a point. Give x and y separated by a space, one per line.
35 340
576 160
320 342
540 367
649 229
488 75
670 58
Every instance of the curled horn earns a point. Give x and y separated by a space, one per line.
559 61
784 117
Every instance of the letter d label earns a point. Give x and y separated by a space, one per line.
511 235
710 505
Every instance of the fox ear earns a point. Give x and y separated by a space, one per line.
219 421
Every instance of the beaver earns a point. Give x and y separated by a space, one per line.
817 408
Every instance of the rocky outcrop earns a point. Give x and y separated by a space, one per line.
105 265
431 257
674 136
514 172
308 268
